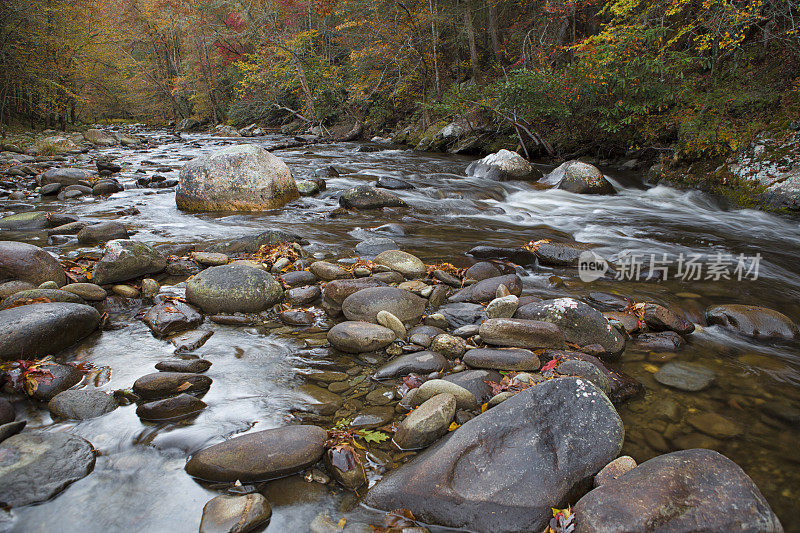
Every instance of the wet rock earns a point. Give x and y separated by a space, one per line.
102 232
372 417
406 264
189 341
178 406
560 254
12 287
481 271
210 258
685 376
520 256
125 259
623 386
260 455
235 513
364 197
171 316
426 423
359 337
464 398
659 318
299 278
345 466
503 166
663 341
161 384
36 330
99 137
40 295
581 178
629 322
61 378
307 187
87 291
36 465
486 290
303 295
71 228
386 182
714 425
182 268
326 172
388 320
338 290
126 291
686 490
614 469
26 262
365 304
449 346
418 362
527 475
237 178
607 302
586 370
32 220
252 243
329 271
504 307
752 321
194 366
463 314
475 382
233 289
374 246
81 404
297 317
7 413
518 333
582 324
9 430
503 359
106 187
67 176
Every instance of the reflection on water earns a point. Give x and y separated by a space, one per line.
139 480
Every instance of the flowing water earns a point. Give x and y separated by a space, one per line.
139 483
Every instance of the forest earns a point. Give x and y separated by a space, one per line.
697 78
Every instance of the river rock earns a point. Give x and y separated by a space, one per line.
102 232
106 187
260 455
299 278
37 465
7 413
504 165
210 258
426 423
303 295
463 314
99 137
518 333
125 259
715 425
40 295
252 243
36 330
87 291
405 263
581 178
345 466
233 289
586 370
659 318
448 345
171 316
359 337
688 490
161 384
318 400
81 404
517 359
26 262
614 469
364 197
752 321
582 324
504 307
191 340
685 376
374 246
468 481
67 176
486 290
60 378
388 320
418 362
12 287
178 406
464 398
661 341
235 513
365 304
560 254
475 382
31 220
372 417
195 366
237 178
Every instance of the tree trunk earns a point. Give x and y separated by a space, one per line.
473 49
435 38
493 31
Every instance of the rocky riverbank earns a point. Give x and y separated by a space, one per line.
454 393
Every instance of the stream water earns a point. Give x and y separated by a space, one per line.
139 483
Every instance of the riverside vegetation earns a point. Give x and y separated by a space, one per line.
224 334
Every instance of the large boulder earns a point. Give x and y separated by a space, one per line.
99 137
360 337
366 197
581 178
555 437
37 465
26 262
582 324
36 330
26 221
125 259
485 290
753 321
81 404
518 333
238 178
233 289
365 304
687 490
67 176
504 165
40 295
260 455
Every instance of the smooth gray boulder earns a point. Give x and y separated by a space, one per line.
40 329
126 259
233 288
365 305
26 262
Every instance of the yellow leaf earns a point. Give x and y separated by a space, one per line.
454 426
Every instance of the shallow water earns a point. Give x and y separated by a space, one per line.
139 481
